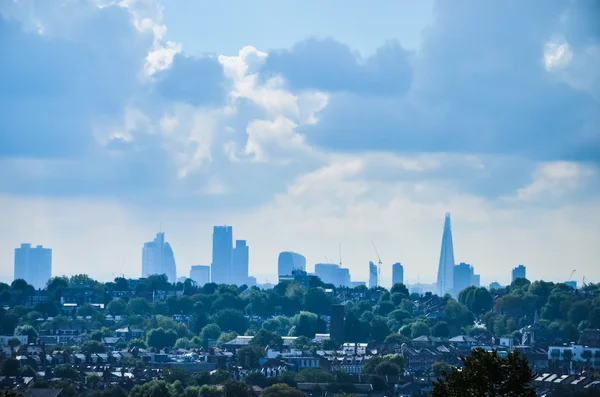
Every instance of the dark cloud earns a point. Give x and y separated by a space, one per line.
326 64
479 86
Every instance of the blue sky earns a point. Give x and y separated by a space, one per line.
302 125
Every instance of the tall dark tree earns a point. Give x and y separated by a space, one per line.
487 374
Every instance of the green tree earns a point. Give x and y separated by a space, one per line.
92 346
231 320
419 328
139 306
155 388
66 371
399 288
158 338
226 337
210 331
137 343
316 301
233 388
13 343
86 310
281 390
116 307
314 375
387 368
265 338
28 330
487 374
440 368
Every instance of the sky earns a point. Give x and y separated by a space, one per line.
304 125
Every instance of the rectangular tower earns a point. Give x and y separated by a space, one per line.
222 254
239 274
33 265
200 274
519 272
397 274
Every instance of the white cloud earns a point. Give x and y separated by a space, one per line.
557 55
555 179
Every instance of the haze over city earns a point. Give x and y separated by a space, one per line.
123 120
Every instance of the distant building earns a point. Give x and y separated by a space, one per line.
200 274
299 276
33 265
397 274
572 284
332 273
288 262
336 323
354 284
158 258
495 285
476 280
372 275
519 272
445 277
464 277
239 266
222 254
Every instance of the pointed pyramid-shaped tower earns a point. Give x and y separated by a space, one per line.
445 280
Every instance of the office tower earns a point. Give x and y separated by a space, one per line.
33 265
336 323
397 274
332 273
463 277
200 274
289 261
239 266
519 272
222 254
372 275
445 277
476 280
158 258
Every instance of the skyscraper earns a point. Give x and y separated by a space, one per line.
33 265
239 274
445 277
289 261
463 277
336 323
332 273
200 274
397 274
222 254
519 272
158 258
372 275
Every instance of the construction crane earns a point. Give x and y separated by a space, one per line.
378 264
571 276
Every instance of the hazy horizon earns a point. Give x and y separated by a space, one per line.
303 130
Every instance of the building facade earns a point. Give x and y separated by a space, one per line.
397 274
33 265
519 272
372 275
158 258
445 278
222 254
289 261
464 276
336 323
200 274
332 273
239 265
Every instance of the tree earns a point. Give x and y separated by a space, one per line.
281 390
137 343
385 368
440 329
153 388
28 330
86 310
231 320
256 379
265 338
210 331
487 374
158 338
440 368
316 301
226 337
66 371
11 367
233 388
399 288
139 306
116 307
419 328
308 324
13 343
248 355
314 375
91 347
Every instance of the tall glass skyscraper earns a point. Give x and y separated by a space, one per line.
239 274
372 275
519 272
158 258
397 274
33 265
289 261
222 254
445 277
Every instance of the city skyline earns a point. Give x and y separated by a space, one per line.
303 134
